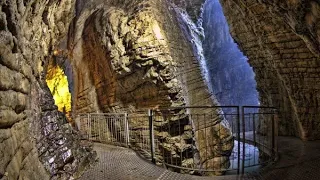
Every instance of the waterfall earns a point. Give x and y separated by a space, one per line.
194 34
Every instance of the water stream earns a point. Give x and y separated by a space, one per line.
223 66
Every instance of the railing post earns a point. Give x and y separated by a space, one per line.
98 118
243 139
276 131
273 136
254 129
89 127
151 133
238 134
127 129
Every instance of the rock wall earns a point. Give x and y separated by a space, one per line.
122 58
29 31
193 7
281 40
133 55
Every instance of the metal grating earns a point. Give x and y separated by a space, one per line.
116 163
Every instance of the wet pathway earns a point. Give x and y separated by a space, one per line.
298 160
116 163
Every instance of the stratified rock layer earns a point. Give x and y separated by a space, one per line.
281 40
29 30
134 55
57 142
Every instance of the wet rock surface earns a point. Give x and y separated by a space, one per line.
133 56
29 30
58 144
212 133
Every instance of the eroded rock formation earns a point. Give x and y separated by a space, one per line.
281 40
134 55
34 142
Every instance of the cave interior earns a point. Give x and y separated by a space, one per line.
60 59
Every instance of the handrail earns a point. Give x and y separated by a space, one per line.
142 135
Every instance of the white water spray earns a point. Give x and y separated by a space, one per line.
194 33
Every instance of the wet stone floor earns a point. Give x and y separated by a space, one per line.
298 160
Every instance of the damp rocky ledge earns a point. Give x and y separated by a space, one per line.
60 149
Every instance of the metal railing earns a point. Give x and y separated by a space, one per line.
197 140
261 130
110 128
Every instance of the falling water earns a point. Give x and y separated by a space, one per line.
195 34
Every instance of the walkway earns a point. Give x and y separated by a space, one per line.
298 161
116 163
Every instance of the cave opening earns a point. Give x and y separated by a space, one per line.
59 81
231 77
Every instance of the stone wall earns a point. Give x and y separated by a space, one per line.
281 40
29 31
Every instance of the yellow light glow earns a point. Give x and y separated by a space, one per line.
55 52
58 84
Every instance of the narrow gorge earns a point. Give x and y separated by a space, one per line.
62 58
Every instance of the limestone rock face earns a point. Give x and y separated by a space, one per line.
125 55
29 30
134 55
281 40
58 144
122 60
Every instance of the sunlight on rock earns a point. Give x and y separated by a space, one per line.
58 84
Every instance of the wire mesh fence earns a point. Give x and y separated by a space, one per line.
194 140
